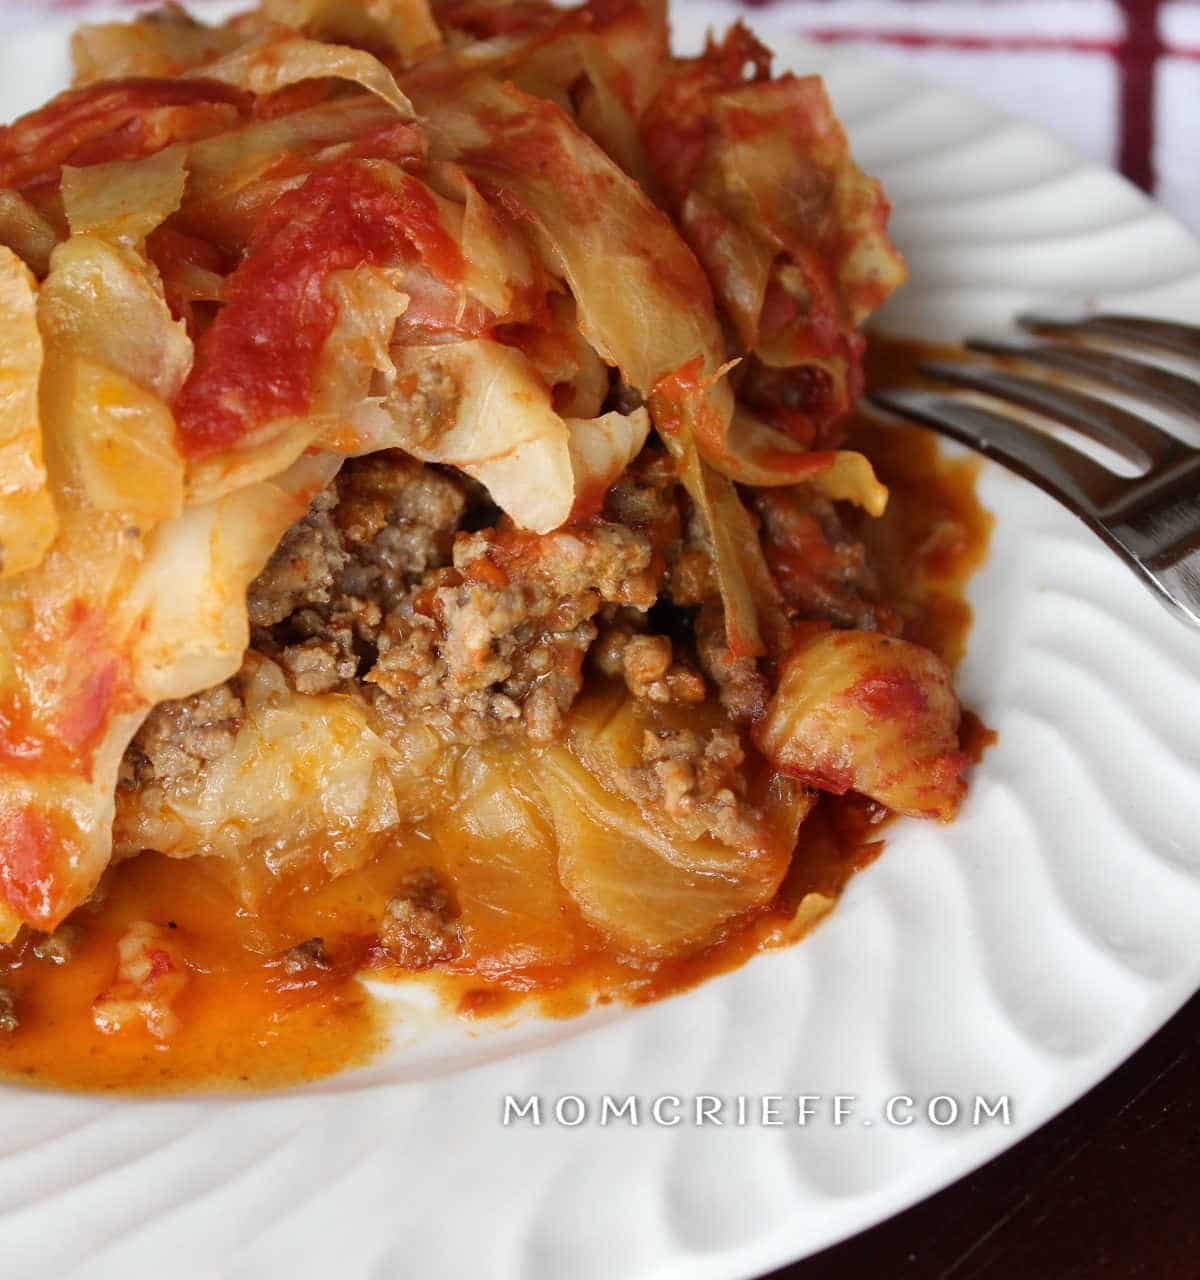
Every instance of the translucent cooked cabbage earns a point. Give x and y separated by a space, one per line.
499 848
103 302
136 598
112 120
652 895
124 201
166 42
481 407
279 58
791 233
26 232
306 768
517 243
235 176
405 28
28 521
855 710
634 874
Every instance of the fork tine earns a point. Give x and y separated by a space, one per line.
1125 433
1179 339
1063 472
1178 586
1171 390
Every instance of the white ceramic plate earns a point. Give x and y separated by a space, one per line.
1024 951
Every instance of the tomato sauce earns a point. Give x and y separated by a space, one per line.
257 361
114 120
246 1021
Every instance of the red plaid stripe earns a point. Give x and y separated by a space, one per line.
1137 48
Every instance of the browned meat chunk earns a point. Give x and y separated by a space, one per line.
822 571
741 687
695 780
366 540
419 929
179 738
303 569
499 644
304 957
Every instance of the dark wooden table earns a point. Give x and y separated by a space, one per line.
1110 1190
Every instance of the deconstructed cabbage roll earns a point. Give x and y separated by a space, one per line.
418 441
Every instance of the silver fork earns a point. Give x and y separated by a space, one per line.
1151 520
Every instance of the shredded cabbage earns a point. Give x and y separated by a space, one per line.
126 200
858 710
26 232
481 407
162 43
480 285
278 58
792 234
28 521
103 302
406 28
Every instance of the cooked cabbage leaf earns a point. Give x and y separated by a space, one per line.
855 710
28 521
481 407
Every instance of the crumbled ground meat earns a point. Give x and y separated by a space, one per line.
397 519
304 957
8 1011
418 928
324 660
317 606
646 496
695 779
498 643
691 579
741 688
646 662
303 569
179 738
821 570
807 394
381 591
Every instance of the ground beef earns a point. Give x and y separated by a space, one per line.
304 957
418 928
691 578
694 778
822 571
498 644
741 688
647 496
646 662
303 569
397 519
323 661
179 738
381 591
317 606
810 402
